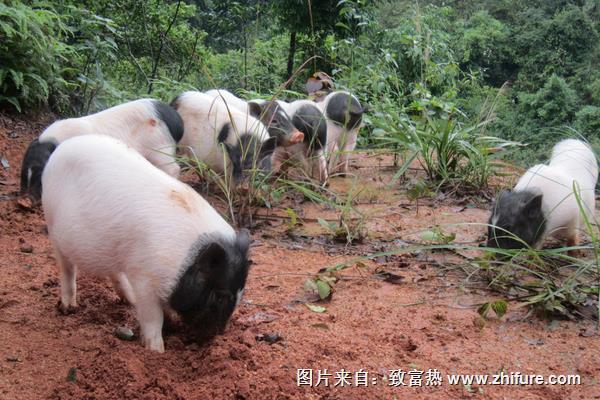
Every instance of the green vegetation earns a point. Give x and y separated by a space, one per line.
520 71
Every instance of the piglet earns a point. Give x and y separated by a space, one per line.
111 213
150 126
344 118
224 138
543 202
271 113
309 120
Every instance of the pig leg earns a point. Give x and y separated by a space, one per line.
150 316
573 240
277 159
68 283
333 158
319 170
347 148
123 288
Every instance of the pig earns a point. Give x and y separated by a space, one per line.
224 138
271 113
543 202
150 126
309 120
111 213
344 114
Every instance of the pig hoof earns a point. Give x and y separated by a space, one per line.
122 301
154 345
66 310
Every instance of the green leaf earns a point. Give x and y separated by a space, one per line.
499 307
323 289
483 309
314 308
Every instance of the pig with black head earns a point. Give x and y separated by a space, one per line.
308 118
344 115
149 126
224 138
111 213
543 203
271 113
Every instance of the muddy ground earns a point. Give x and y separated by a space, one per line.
423 319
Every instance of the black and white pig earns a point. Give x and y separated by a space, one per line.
344 118
150 126
112 213
224 138
270 113
543 202
309 120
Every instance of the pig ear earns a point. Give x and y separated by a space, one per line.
190 288
235 158
533 206
254 109
242 241
211 259
268 146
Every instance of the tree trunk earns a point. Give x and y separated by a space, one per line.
290 63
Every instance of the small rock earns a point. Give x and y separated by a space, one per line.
25 203
124 333
589 332
26 248
4 162
270 338
13 359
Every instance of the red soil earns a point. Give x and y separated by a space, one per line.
428 321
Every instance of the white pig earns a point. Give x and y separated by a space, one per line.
150 126
224 138
543 202
111 213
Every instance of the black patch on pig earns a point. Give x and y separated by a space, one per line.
206 293
520 213
277 121
344 110
34 161
248 153
309 120
224 133
171 118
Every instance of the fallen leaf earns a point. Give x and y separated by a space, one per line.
259 318
389 277
534 342
315 308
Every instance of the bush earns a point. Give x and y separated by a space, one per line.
32 54
587 121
